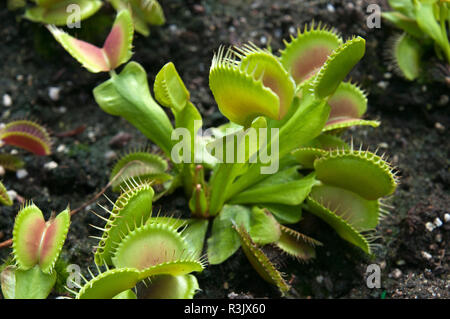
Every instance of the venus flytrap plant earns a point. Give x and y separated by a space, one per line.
425 26
24 134
280 153
36 248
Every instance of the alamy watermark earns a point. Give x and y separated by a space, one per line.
373 279
373 20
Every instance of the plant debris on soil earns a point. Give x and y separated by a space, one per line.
39 80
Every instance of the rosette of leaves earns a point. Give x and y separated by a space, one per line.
36 247
425 26
63 12
303 97
144 256
27 135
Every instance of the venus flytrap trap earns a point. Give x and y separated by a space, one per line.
280 154
425 25
152 254
36 247
27 135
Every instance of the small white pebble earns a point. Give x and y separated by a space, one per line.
14 152
12 194
110 155
438 126
330 8
447 217
396 273
53 93
21 173
61 148
2 170
438 238
91 136
7 100
263 40
387 75
383 85
430 226
383 145
50 165
292 30
426 255
19 77
62 109
319 279
437 222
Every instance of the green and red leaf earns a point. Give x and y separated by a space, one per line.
36 242
115 51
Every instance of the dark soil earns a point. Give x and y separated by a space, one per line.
414 133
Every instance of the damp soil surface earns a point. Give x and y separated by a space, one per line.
413 254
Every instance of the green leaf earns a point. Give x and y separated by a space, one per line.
127 294
285 214
141 166
297 245
239 95
307 155
4 197
406 54
189 118
115 51
130 210
11 162
15 4
263 66
405 23
127 95
359 212
285 187
264 229
349 101
144 12
55 11
225 172
304 125
36 242
427 21
308 51
169 287
345 211
403 6
338 65
169 89
27 284
260 262
109 284
224 240
155 249
361 172
328 142
194 235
